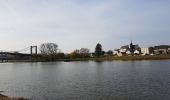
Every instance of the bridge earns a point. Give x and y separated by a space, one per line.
22 54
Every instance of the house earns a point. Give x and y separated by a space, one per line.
123 49
136 52
162 49
116 51
168 51
119 54
145 51
128 52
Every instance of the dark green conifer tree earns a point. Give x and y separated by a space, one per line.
98 50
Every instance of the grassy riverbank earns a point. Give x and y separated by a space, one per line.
155 57
123 58
3 97
104 58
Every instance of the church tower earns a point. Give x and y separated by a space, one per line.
131 47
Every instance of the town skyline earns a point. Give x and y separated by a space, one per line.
79 24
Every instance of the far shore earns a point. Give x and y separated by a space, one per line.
104 58
122 58
3 97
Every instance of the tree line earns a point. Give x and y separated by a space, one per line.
50 51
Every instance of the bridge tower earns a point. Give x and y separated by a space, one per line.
33 48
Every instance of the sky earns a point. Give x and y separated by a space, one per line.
75 24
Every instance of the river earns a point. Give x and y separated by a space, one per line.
87 80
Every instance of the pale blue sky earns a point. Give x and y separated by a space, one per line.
74 24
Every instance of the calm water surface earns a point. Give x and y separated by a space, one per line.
117 80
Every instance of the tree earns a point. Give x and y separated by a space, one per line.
110 52
60 55
84 52
48 48
75 54
98 50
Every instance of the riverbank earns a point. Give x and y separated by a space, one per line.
122 58
3 97
104 58
148 57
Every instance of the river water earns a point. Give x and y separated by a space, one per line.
110 80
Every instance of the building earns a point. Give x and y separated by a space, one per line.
116 51
134 48
136 52
15 56
168 50
162 49
128 50
145 51
123 49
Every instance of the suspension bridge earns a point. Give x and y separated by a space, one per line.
25 53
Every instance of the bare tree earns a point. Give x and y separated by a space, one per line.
84 52
75 54
48 48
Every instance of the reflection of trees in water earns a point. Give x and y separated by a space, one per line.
98 61
47 64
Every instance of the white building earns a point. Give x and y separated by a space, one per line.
136 52
145 51
168 50
119 54
115 52
123 50
128 52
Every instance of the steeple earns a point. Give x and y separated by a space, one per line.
131 43
131 47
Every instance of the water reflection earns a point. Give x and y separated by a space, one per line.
109 80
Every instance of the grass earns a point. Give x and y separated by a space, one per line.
104 58
124 58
